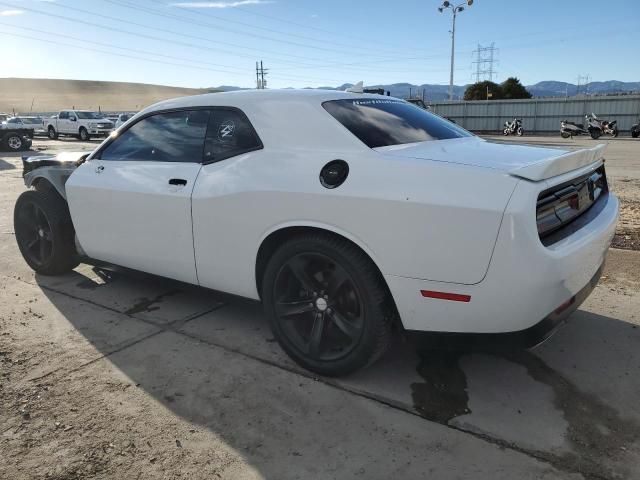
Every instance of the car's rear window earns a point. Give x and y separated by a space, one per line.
384 122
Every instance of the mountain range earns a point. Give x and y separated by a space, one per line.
548 88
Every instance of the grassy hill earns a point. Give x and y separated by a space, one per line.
50 95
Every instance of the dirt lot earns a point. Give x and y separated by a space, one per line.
111 376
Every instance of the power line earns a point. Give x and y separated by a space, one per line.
312 27
209 25
146 52
135 57
142 35
237 22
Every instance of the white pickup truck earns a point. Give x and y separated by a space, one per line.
82 124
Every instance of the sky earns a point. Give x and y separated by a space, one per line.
315 42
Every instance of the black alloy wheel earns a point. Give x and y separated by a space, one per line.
327 304
44 232
318 307
34 232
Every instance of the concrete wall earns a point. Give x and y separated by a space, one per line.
540 115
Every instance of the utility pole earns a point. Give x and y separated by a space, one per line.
454 10
261 83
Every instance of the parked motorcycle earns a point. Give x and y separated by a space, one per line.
606 127
635 130
513 128
594 127
571 129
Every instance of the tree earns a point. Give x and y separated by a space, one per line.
512 88
486 90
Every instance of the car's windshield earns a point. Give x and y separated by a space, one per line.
384 122
90 115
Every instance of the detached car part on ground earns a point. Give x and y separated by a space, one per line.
371 212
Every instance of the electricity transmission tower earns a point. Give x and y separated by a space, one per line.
261 83
485 61
583 82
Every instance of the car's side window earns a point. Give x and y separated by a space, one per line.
63 115
163 137
229 134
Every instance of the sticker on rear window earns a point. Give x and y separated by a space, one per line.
226 131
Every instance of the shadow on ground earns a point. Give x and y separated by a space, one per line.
572 402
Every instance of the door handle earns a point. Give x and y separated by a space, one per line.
178 181
99 168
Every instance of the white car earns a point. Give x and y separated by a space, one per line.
82 124
122 119
30 123
343 213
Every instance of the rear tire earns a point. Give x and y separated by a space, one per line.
52 134
615 133
520 131
565 134
635 133
595 134
44 232
317 286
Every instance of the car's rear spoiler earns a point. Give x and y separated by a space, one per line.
557 165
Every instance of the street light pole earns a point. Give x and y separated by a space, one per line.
454 11
453 49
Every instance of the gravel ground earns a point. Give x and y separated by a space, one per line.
106 375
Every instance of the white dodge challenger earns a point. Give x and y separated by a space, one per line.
343 213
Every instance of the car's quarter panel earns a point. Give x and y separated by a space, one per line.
415 218
526 280
127 213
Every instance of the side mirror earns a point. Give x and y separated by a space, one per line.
73 119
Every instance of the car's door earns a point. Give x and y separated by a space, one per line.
131 203
62 125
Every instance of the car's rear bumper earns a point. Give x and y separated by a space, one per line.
526 280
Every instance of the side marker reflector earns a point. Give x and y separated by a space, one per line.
455 297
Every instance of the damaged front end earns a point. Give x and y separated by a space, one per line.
52 169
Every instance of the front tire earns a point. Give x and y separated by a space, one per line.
565 134
595 134
52 134
44 232
327 304
84 135
520 131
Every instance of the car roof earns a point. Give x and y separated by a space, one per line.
286 118
242 97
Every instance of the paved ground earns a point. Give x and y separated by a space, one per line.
111 376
